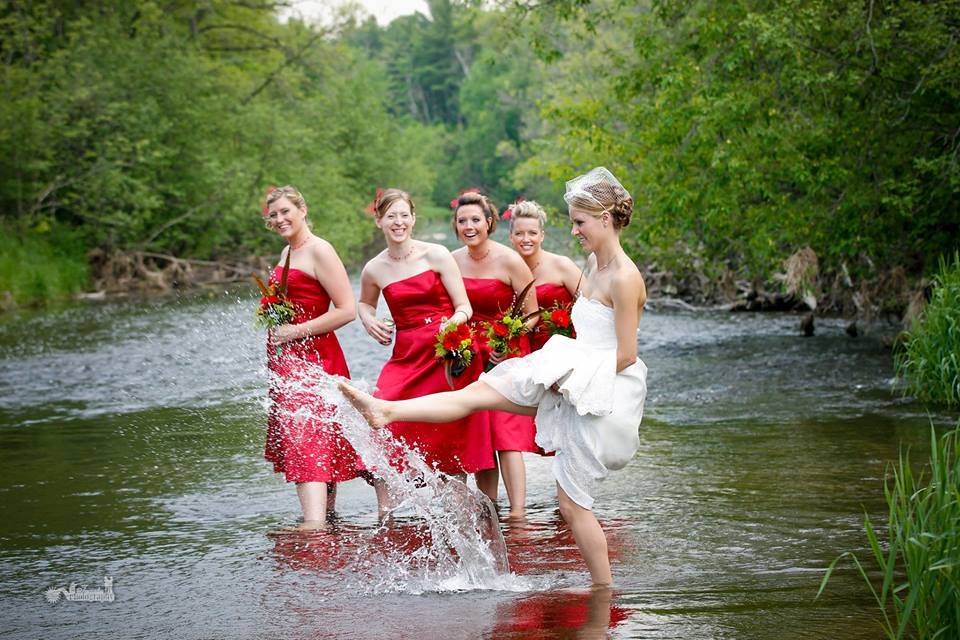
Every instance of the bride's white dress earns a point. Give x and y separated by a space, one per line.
593 423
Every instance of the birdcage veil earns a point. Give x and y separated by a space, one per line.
597 189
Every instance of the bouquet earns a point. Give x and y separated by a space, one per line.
556 320
503 332
275 307
454 346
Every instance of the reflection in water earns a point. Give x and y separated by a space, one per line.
539 546
587 615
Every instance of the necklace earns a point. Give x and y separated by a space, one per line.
609 262
536 266
294 247
481 258
401 258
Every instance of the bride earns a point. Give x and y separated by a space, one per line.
587 393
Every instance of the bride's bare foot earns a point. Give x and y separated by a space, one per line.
369 407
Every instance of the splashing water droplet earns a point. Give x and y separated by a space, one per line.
455 543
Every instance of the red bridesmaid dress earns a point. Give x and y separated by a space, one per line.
302 442
548 295
418 304
489 297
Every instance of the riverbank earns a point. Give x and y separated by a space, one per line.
890 296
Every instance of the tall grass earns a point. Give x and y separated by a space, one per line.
38 267
919 595
930 358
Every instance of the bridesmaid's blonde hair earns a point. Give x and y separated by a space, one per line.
527 209
289 192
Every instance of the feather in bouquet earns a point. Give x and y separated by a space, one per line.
275 307
503 333
454 347
556 320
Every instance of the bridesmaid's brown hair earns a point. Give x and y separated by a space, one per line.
386 198
474 197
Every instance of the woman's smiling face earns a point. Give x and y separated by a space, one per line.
586 228
526 236
285 218
472 227
397 222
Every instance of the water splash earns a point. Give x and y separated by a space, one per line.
444 536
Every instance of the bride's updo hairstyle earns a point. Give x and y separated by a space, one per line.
527 209
475 197
386 198
598 192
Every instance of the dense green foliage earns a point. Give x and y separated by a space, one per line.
744 129
748 129
919 564
929 359
40 264
158 127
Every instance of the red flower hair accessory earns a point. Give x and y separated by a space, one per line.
456 201
508 212
373 206
265 208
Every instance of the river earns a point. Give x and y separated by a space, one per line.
131 436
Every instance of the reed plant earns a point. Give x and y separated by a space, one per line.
919 593
929 360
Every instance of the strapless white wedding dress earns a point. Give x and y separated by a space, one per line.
593 423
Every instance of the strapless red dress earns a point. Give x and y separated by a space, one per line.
489 297
549 294
418 304
302 442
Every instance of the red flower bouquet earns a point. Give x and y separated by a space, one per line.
502 333
454 347
556 320
275 307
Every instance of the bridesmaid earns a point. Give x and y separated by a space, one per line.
424 291
308 449
557 276
493 274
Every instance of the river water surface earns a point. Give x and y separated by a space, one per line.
131 437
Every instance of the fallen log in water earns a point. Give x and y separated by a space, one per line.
146 271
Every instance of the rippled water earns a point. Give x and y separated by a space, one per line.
131 436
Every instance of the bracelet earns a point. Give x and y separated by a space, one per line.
465 318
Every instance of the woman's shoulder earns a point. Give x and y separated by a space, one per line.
508 256
562 263
433 250
627 280
321 248
374 265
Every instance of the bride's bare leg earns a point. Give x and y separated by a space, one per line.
589 536
438 407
